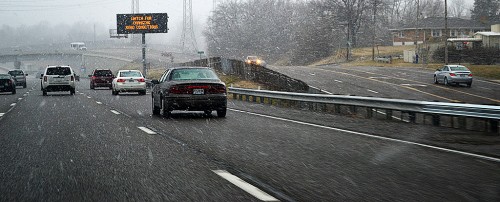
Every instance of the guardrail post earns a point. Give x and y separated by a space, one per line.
369 112
462 123
412 116
337 109
247 98
254 99
240 97
494 126
235 96
436 120
353 109
388 114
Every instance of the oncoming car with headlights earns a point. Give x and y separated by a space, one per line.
190 89
254 60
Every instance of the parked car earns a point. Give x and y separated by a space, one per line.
101 78
129 81
19 76
191 89
453 74
7 83
58 78
254 60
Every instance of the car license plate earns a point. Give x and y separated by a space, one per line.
198 91
462 75
131 80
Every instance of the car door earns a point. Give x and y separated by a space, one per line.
441 73
158 88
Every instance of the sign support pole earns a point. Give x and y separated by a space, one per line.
144 70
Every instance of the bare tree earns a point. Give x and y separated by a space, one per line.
458 8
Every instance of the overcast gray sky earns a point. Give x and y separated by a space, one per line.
16 12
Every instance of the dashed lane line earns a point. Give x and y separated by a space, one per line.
489 158
100 103
254 191
372 91
1 114
115 112
337 81
89 97
147 130
13 104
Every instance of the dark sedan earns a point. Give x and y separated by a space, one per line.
190 89
7 83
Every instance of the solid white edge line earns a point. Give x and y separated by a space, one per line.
115 112
13 104
99 103
378 137
147 130
254 191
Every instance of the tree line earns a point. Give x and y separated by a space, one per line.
300 32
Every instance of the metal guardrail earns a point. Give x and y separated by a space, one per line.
436 109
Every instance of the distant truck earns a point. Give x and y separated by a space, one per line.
78 46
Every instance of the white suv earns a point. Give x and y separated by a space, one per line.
58 78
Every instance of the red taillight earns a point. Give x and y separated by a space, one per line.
72 78
45 79
142 80
218 89
10 82
120 80
452 74
93 77
470 75
178 90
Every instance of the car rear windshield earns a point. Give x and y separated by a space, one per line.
130 74
193 74
15 73
58 71
459 68
103 73
4 76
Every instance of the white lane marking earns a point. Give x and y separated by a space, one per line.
1 114
378 77
25 95
372 91
89 97
20 98
324 91
115 112
490 82
337 81
13 104
81 93
485 88
147 130
99 103
420 85
375 136
254 191
397 118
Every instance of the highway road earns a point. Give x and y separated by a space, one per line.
96 146
391 82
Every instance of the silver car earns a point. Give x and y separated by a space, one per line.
453 74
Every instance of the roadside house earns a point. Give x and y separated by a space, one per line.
433 30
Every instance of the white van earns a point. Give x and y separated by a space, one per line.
78 46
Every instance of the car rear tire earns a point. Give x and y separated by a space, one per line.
72 91
142 92
222 112
113 92
24 85
13 91
156 110
92 86
446 82
44 92
469 85
165 109
435 79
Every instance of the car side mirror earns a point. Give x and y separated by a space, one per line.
438 69
41 75
26 75
155 81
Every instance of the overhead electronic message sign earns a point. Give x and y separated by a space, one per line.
141 23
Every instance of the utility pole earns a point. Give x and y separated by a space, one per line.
445 32
374 24
416 26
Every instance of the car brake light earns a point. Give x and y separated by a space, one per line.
178 90
45 79
120 80
217 89
10 82
470 75
452 74
141 80
93 77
